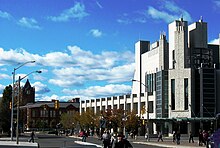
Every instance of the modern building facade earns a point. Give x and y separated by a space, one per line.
177 81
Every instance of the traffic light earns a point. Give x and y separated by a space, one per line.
143 122
10 105
56 104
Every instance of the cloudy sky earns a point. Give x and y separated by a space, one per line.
85 48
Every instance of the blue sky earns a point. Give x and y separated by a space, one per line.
85 48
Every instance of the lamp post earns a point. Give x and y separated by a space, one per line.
12 98
18 101
147 108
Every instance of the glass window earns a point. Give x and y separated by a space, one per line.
186 93
173 94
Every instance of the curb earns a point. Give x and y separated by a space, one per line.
165 145
87 143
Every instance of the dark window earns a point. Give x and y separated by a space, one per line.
135 108
174 61
151 107
173 94
186 93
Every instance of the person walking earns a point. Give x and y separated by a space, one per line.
113 140
32 137
84 135
178 138
174 136
122 142
106 137
200 138
160 136
191 137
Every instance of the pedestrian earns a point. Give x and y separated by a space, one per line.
122 142
106 138
160 136
84 136
205 136
174 136
32 137
135 134
178 138
113 140
200 138
146 136
191 137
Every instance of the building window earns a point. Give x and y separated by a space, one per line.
128 107
174 61
33 113
103 108
172 94
121 106
135 108
98 109
186 94
51 113
28 92
150 107
150 83
43 113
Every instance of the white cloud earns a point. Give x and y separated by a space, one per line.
217 3
77 58
96 33
99 91
5 15
156 14
29 23
76 66
215 41
4 76
40 88
76 12
2 87
66 77
169 13
124 21
47 98
3 69
99 5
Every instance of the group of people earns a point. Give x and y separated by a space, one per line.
115 140
204 137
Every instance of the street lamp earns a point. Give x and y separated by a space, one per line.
147 107
12 98
18 101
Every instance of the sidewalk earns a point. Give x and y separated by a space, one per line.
167 142
6 142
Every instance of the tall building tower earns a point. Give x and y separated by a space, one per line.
141 47
178 51
28 93
180 73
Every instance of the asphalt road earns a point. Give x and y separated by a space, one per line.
52 141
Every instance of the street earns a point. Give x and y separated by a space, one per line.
52 141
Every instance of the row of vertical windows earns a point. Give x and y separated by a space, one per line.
159 94
150 81
186 94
